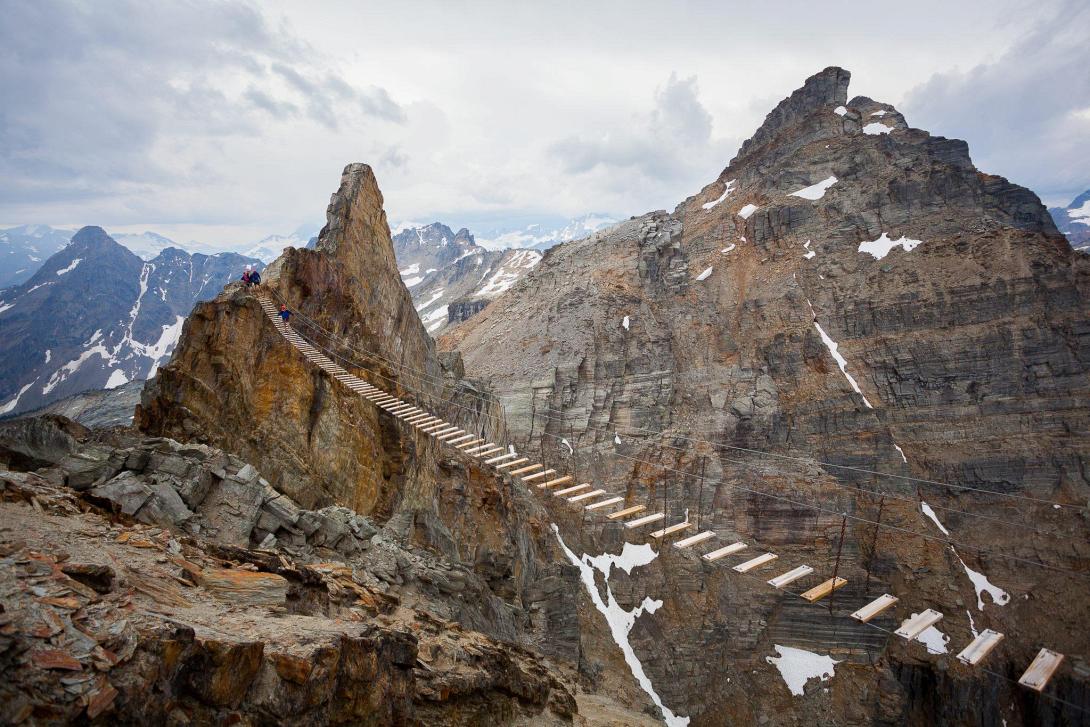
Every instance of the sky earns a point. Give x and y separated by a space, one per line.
223 121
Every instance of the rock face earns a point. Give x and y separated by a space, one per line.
96 316
234 383
451 277
136 574
1074 221
850 291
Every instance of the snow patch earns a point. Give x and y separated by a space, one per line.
728 248
439 314
840 111
933 639
746 211
726 193
881 247
900 452
4 306
436 296
15 401
809 253
168 339
616 438
926 510
983 585
704 275
411 270
619 620
564 442
71 266
840 360
798 666
815 191
879 113
625 323
117 378
875 128
410 282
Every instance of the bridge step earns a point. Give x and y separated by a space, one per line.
512 463
693 540
501 458
645 520
604 503
626 512
980 647
587 496
553 483
755 562
874 608
1041 670
570 490
822 590
918 623
790 576
538 475
524 470
724 551
671 529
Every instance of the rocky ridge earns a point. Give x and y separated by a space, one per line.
124 558
849 291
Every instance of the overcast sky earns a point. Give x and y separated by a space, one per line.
226 121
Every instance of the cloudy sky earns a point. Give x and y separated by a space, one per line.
223 121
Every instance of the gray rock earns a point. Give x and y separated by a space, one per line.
128 492
165 507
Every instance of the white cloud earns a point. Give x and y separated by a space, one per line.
233 120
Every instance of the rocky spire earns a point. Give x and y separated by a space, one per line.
827 88
356 232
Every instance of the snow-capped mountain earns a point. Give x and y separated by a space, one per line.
450 276
24 248
96 316
148 244
544 234
269 248
1074 221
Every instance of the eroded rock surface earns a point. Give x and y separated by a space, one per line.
963 321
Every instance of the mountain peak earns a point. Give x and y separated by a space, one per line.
826 88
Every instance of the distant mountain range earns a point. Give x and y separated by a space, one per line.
23 249
1074 221
96 316
450 276
539 232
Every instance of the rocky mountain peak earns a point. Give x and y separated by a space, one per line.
356 232
827 88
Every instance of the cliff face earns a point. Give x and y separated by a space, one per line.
850 291
235 383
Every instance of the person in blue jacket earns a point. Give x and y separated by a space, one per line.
285 314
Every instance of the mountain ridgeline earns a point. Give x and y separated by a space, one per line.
853 297
96 316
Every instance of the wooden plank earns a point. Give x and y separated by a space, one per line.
570 490
524 470
755 562
671 529
501 458
980 647
415 418
1041 670
790 576
604 503
874 608
401 409
693 540
487 452
470 443
724 551
918 623
512 463
558 481
538 475
645 520
822 590
434 427
453 436
626 512
481 447
448 430
425 423
463 438
586 496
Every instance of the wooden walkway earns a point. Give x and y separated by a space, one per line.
634 517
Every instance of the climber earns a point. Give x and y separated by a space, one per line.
285 314
246 276
255 278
